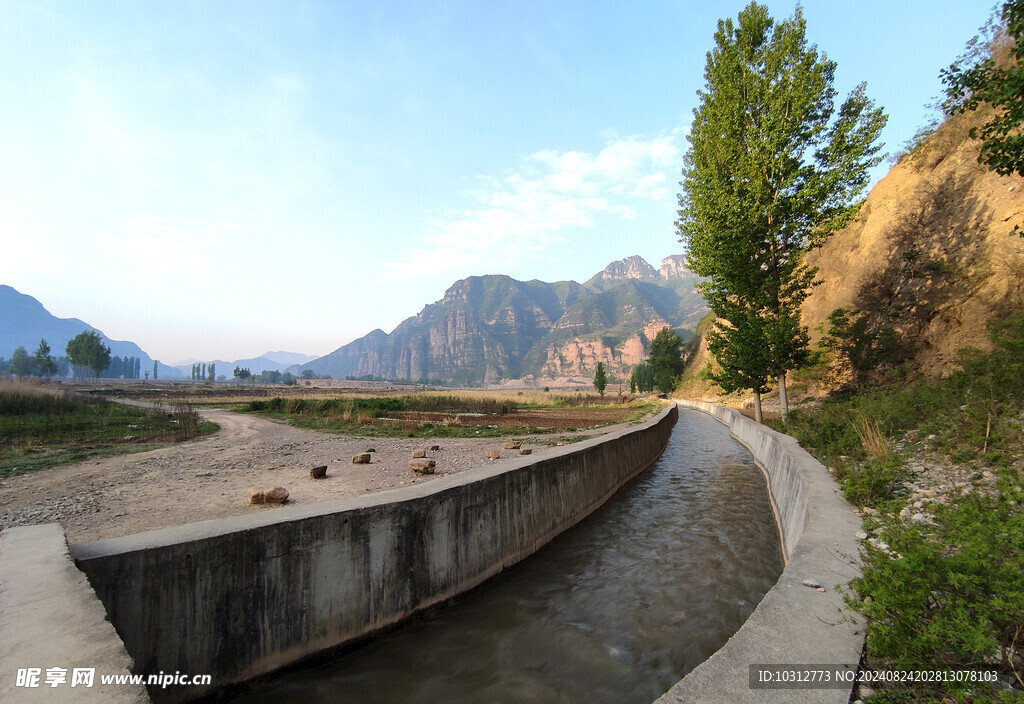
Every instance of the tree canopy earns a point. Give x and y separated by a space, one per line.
666 359
772 170
977 78
86 350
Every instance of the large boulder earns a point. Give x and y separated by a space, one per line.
268 495
422 466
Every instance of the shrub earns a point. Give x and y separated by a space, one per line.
949 595
873 481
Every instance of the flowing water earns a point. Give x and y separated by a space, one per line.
615 610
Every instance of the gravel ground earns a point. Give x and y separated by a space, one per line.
210 478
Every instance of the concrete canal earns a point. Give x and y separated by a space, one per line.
616 610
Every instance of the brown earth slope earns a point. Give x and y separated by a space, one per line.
930 253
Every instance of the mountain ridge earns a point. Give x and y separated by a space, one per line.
486 329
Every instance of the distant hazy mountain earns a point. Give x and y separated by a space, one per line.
24 321
489 328
268 361
288 358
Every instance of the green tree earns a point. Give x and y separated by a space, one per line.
772 170
87 351
242 373
600 380
212 372
977 77
642 378
155 374
741 350
666 359
45 364
21 363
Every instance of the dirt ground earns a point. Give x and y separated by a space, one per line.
210 478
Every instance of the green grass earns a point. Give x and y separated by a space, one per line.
44 426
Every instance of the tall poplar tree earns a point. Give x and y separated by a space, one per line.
772 170
600 379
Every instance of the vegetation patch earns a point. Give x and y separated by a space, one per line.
441 416
44 425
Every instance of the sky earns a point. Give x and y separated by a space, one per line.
213 180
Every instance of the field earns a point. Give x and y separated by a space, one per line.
435 414
43 425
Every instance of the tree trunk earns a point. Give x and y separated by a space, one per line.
783 399
757 405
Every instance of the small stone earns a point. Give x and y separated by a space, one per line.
812 584
361 458
821 589
492 454
419 453
861 535
513 445
435 448
422 466
525 451
318 472
868 600
268 495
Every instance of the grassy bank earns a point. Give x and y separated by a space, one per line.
937 468
44 426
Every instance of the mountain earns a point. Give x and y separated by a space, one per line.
288 358
268 361
490 328
24 322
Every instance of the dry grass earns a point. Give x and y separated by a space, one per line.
451 421
871 437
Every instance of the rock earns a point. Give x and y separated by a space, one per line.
422 466
361 458
513 445
435 448
525 451
318 472
492 454
812 584
861 535
268 495
419 453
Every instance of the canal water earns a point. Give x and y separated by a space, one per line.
615 610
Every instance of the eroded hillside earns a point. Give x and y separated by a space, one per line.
931 254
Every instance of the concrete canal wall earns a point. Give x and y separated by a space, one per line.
240 597
794 624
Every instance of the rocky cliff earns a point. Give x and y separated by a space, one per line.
490 328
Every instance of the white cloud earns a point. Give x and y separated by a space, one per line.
523 213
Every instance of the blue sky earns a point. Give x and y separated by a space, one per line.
218 179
